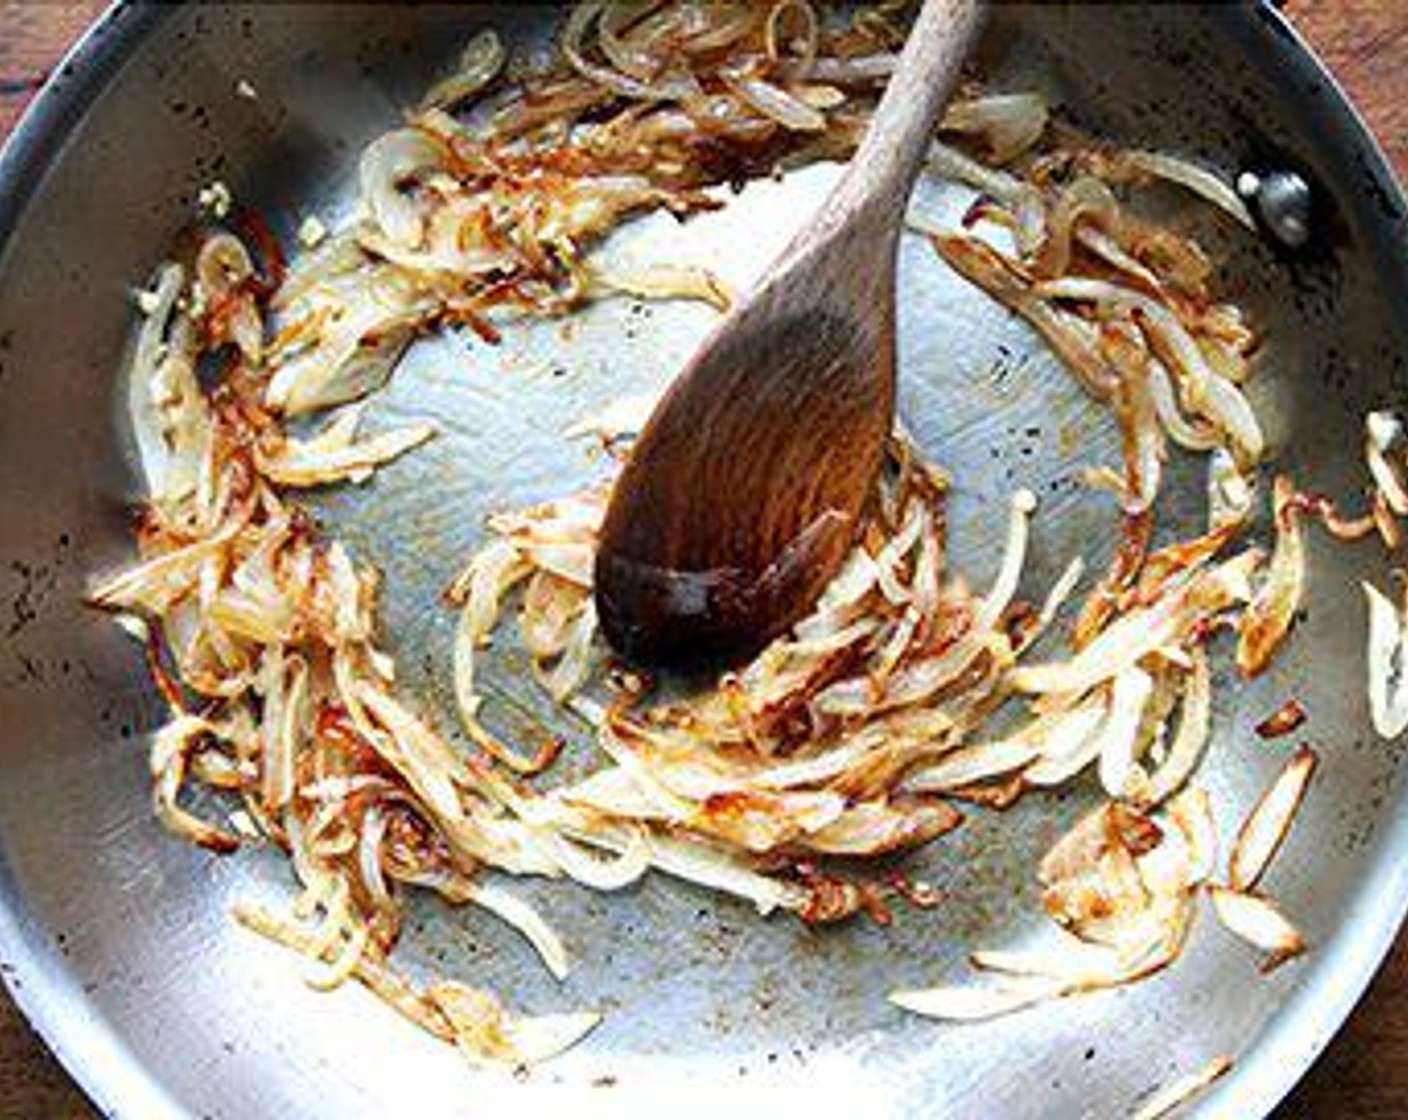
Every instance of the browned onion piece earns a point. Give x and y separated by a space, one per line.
1269 616
1266 826
1285 719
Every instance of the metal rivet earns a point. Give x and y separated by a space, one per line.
1283 200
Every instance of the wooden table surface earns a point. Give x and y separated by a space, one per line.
1364 1073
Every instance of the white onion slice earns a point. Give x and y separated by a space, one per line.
970 765
479 64
1202 182
523 917
1206 391
1070 745
972 1004
1191 812
606 875
1119 739
1266 826
387 164
1194 722
1383 434
574 49
1190 435
1142 631
1387 659
334 454
774 102
1181 1090
1257 922
486 1034
1009 123
1268 618
664 282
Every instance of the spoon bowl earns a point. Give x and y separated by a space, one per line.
745 489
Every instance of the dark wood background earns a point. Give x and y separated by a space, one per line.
1364 1073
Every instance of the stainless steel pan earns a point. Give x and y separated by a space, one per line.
114 937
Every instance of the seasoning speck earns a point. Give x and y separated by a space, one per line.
216 199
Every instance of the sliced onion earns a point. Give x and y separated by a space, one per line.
972 1004
170 754
1266 826
615 792
1141 439
606 875
896 553
697 861
1206 185
285 692
574 665
1071 959
1388 664
858 70
1284 720
1269 616
950 163
480 64
156 585
1178 1092
413 750
772 30
1384 435
334 455
225 272
973 764
1008 123
664 282
1206 391
638 53
1140 632
1191 738
1086 200
1004 585
1191 812
487 578
1257 922
1060 594
388 163
1119 738
524 918
776 103
1230 491
485 1033
1070 744
369 843
1109 250
345 366
1190 435
171 421
574 35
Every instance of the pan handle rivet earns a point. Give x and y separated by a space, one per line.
1282 200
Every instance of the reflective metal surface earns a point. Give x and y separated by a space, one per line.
115 938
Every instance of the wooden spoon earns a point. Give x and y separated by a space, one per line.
743 493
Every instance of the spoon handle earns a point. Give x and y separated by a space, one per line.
904 123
